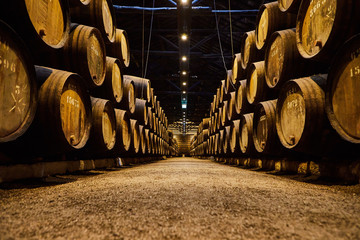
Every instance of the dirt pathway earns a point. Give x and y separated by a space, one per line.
181 198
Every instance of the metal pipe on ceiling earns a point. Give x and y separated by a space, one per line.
195 2
118 7
173 2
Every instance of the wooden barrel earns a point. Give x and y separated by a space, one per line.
157 145
157 108
123 133
155 104
206 148
152 143
246 134
150 121
142 87
215 122
224 119
210 145
140 112
161 129
211 108
242 106
220 147
284 62
120 48
249 52
154 128
226 142
64 111
266 139
229 83
162 115
218 122
256 88
300 116
135 137
217 103
112 88
206 123
128 100
269 20
98 13
44 24
206 134
84 53
291 6
103 130
216 143
147 141
162 147
213 152
18 86
142 140
231 110
238 71
157 123
323 26
234 137
152 98
74 3
166 123
212 124
342 91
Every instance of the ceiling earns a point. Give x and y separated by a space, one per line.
206 65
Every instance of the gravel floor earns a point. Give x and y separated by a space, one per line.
180 198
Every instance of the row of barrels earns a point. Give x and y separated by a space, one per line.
279 99
81 100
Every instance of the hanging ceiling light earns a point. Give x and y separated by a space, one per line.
184 37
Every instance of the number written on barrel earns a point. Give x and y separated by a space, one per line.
5 63
355 71
315 7
72 101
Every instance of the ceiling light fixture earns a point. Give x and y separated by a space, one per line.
184 58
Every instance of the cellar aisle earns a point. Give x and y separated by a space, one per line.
179 198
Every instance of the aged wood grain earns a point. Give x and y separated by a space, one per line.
18 91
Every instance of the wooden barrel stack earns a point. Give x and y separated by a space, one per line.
286 98
72 76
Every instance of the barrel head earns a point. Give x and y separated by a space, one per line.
342 94
274 61
314 26
262 29
117 82
17 86
49 20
